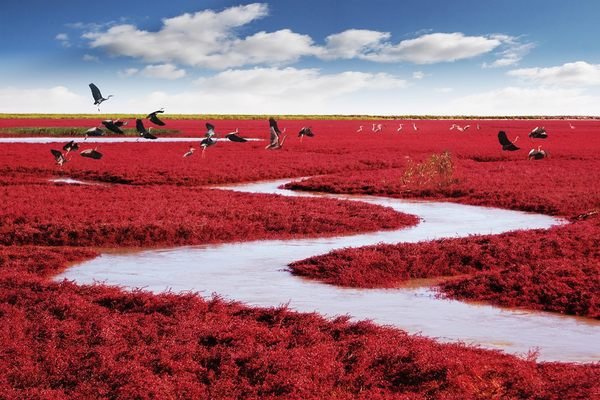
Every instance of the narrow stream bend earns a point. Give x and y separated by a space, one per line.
254 273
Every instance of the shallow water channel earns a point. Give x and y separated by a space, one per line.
254 273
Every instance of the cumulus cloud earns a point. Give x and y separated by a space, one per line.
418 75
579 73
353 43
527 101
205 39
57 99
210 39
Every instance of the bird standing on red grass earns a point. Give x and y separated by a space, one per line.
537 154
91 153
189 152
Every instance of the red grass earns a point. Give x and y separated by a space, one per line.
69 341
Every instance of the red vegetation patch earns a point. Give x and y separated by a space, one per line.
555 270
92 215
69 341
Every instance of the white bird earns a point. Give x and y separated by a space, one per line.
373 128
377 128
478 127
415 126
360 128
399 128
571 126
189 152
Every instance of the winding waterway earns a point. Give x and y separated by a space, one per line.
255 273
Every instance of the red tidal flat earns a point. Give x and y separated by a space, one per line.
64 341
68 341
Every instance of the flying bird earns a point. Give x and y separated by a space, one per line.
142 131
507 145
210 130
94 131
70 146
91 153
538 133
305 131
58 157
189 152
275 141
152 117
98 99
114 126
537 154
235 137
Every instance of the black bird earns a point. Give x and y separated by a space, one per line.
275 141
98 99
143 132
207 142
305 131
114 126
538 133
94 131
152 117
58 157
70 146
507 144
210 130
234 137
91 153
537 154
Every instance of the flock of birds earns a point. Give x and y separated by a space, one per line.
276 139
536 133
505 142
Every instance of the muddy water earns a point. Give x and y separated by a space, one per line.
254 272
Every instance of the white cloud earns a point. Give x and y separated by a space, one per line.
527 101
579 73
205 39
513 51
434 47
260 90
418 75
90 58
444 90
63 38
128 72
163 71
44 100
209 39
353 43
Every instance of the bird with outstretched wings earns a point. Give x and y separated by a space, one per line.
506 144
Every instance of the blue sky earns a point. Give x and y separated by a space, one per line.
292 57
